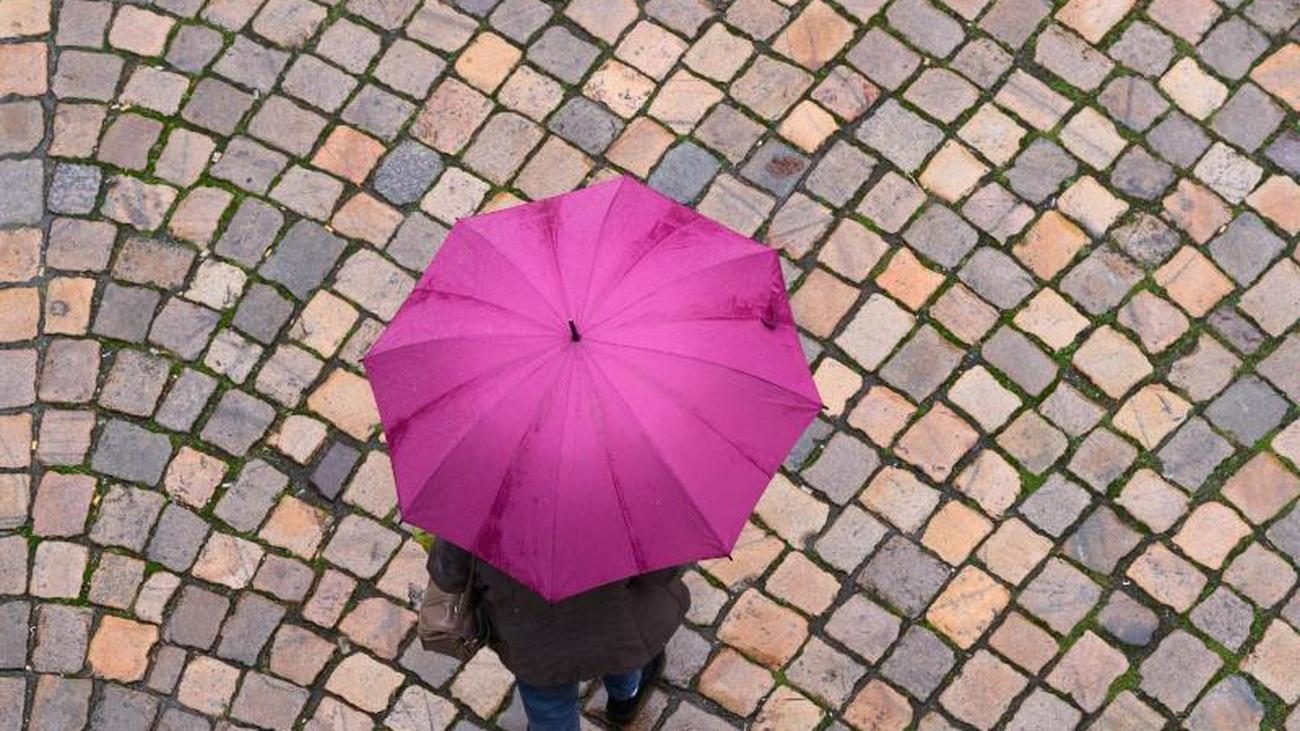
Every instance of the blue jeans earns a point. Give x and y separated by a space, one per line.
555 708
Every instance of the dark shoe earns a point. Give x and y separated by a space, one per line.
622 712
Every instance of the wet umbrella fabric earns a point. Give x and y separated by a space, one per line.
590 387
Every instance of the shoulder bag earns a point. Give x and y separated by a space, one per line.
450 623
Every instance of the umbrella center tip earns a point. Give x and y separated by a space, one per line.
573 332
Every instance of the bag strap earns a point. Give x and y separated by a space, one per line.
469 601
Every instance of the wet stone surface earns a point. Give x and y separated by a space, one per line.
1042 256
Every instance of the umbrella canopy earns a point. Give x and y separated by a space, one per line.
590 387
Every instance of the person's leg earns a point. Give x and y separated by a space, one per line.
628 692
623 687
553 708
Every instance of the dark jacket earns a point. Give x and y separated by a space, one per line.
613 628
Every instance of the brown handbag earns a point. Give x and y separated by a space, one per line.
450 623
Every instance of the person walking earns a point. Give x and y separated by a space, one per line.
581 395
615 633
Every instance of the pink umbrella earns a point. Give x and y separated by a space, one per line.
590 387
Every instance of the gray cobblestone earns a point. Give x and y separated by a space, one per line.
129 452
1002 335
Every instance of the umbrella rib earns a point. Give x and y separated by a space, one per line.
673 394
600 236
654 449
747 317
489 303
477 336
427 494
672 282
555 484
522 275
559 276
637 554
697 359
689 226
401 424
423 493
499 496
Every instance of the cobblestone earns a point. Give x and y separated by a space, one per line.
1042 256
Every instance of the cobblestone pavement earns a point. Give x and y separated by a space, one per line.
1043 254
